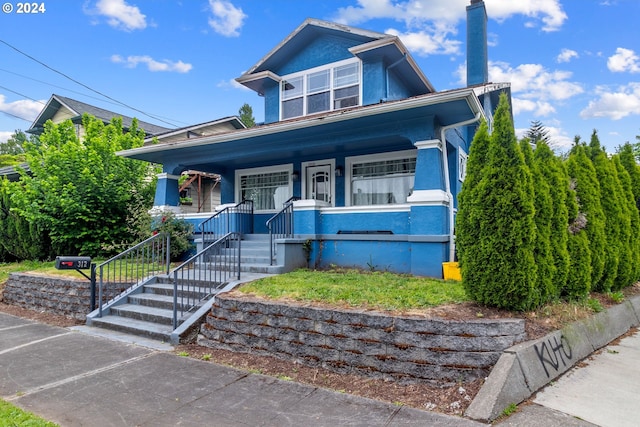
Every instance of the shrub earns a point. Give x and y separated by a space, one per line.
180 231
499 266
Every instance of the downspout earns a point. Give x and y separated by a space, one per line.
387 74
447 186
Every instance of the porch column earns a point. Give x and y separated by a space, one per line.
167 194
429 202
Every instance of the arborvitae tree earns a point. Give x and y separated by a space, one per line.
628 160
578 283
546 288
499 267
555 176
585 182
629 267
612 208
467 220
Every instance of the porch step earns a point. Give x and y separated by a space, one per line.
142 328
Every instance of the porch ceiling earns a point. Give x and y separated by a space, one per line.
378 127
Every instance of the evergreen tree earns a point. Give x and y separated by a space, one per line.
537 133
587 188
546 288
246 115
628 160
499 267
629 267
555 176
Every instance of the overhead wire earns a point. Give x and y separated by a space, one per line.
84 85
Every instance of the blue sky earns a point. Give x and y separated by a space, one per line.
574 65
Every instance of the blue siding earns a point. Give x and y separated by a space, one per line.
396 222
392 256
373 83
323 50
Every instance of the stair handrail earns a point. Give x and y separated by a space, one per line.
206 271
118 274
280 225
220 223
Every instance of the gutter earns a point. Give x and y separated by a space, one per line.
447 186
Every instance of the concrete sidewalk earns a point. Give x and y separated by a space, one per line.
78 379
602 391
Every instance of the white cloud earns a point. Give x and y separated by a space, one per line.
615 105
567 55
416 13
429 42
4 136
624 60
23 108
231 84
227 19
120 15
152 64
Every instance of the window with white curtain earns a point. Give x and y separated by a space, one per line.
381 179
326 88
269 188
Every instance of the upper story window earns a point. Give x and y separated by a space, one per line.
321 89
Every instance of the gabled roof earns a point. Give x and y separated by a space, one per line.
225 124
369 43
77 108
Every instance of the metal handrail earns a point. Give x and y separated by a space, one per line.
196 279
237 218
121 272
280 226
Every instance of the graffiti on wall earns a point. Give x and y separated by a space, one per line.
554 353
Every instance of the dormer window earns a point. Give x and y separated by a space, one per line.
321 89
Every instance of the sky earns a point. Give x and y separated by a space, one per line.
573 65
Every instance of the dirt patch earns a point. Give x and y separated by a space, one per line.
443 398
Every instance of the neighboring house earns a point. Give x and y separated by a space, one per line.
60 108
357 132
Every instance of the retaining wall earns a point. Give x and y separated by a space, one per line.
66 296
405 348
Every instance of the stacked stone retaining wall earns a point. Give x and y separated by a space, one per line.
66 296
406 348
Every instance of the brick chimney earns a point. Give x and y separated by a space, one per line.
477 56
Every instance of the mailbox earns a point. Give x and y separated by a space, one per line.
73 262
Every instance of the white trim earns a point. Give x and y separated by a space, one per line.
429 197
462 164
366 209
288 167
429 143
332 168
167 176
309 205
349 161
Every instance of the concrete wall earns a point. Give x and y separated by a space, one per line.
69 297
407 348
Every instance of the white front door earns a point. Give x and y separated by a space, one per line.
318 184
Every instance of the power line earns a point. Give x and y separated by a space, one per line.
72 91
17 117
82 84
20 94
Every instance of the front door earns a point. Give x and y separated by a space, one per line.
318 183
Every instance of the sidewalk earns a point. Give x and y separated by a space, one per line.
78 379
602 391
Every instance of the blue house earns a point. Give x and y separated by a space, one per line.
359 157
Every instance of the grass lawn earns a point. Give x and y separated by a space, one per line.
13 416
355 288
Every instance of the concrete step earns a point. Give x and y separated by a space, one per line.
156 331
144 313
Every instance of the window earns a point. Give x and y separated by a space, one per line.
381 179
269 187
321 89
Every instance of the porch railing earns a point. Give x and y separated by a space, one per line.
116 275
196 279
237 218
280 226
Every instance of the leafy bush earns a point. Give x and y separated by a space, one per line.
180 231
